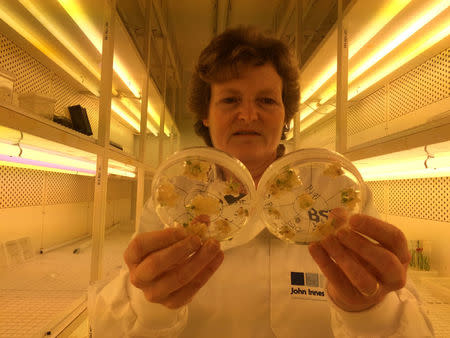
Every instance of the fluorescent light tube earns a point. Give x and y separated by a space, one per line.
382 18
76 12
35 164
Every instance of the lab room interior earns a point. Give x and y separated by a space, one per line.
95 126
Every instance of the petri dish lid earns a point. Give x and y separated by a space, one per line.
204 190
309 193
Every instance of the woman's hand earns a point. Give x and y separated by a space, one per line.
360 272
170 266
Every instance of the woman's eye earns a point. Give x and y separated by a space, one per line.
230 100
268 100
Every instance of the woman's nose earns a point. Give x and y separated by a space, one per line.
248 111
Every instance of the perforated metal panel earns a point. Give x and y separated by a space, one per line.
377 188
20 187
367 113
428 83
64 188
31 76
320 136
27 187
424 198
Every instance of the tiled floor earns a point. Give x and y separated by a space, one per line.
435 294
35 295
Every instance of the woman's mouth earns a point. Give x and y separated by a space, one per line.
246 133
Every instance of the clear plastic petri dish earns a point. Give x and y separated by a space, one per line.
204 190
308 194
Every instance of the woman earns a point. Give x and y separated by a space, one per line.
244 91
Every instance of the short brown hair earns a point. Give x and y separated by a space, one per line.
221 60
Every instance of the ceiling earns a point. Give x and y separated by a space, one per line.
193 22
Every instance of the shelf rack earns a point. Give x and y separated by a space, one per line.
51 34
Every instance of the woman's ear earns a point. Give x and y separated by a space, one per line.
205 122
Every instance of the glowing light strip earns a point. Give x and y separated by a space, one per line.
36 163
377 175
120 164
406 33
125 116
42 155
51 159
33 167
121 172
324 77
305 112
383 17
152 112
75 11
77 14
59 35
156 118
405 164
316 117
137 114
420 46
308 110
20 28
387 14
83 21
47 166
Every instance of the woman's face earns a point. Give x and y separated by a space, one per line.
246 114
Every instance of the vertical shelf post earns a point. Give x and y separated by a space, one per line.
104 127
162 118
140 177
173 131
342 82
298 52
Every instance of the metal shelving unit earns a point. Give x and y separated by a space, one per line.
52 35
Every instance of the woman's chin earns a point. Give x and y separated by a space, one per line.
248 154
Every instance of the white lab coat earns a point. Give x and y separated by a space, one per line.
251 295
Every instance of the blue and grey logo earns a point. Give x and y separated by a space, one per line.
306 281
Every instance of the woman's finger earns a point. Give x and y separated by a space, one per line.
175 279
329 268
184 295
145 243
164 260
340 289
388 266
360 278
339 217
384 233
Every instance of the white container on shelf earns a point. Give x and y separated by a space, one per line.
39 104
6 86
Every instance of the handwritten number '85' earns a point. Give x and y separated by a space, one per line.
314 215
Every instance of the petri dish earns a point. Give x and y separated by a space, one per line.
309 193
204 190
